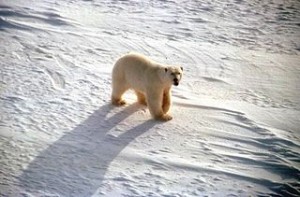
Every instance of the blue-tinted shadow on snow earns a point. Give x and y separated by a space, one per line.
76 164
50 18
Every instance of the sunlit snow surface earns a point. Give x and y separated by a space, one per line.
236 115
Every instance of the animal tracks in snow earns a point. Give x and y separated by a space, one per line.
56 79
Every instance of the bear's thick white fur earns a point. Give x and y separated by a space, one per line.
150 80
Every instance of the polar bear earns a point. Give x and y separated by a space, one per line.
150 80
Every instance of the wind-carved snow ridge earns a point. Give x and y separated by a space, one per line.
236 113
16 18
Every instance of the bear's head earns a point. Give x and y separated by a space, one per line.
172 75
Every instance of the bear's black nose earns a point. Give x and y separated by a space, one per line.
176 81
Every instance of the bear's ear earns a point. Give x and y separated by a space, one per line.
166 69
181 68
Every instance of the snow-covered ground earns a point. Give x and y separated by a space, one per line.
236 115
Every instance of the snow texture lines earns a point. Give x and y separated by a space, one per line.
236 113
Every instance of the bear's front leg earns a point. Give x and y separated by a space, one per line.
154 101
166 102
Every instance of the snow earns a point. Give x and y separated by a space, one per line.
235 128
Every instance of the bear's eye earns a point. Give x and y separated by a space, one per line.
174 74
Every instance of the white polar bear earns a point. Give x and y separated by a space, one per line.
150 80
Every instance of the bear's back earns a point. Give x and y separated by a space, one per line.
135 70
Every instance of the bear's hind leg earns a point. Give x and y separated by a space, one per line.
141 97
116 97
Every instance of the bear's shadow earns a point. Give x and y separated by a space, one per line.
76 164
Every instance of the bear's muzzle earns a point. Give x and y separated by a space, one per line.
176 82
